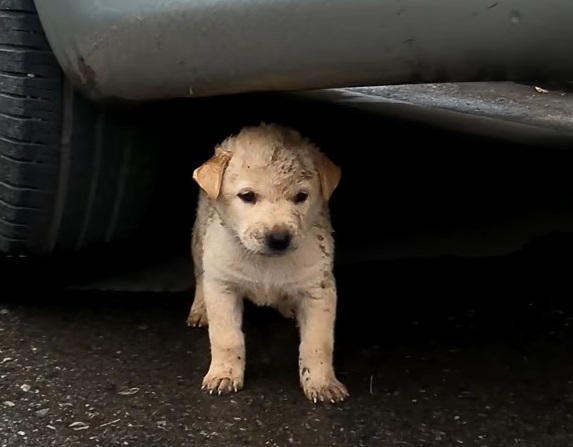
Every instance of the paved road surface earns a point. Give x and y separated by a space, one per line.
434 352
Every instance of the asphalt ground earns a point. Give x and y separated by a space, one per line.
435 352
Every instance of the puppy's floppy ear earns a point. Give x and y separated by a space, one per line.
209 175
328 172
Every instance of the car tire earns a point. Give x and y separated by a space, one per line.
70 176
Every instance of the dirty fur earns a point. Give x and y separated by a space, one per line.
266 180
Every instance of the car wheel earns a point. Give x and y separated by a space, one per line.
69 174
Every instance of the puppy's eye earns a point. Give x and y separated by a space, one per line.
300 197
247 196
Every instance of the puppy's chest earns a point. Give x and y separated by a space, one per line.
269 283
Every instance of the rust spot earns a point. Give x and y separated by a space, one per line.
320 237
86 75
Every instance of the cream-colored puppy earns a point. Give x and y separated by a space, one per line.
263 232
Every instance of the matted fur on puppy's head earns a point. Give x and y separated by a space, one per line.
268 184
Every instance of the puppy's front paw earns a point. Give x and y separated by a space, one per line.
324 390
222 381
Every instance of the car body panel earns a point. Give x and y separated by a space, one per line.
148 49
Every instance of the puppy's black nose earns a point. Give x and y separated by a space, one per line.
278 240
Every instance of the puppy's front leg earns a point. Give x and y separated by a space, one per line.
225 310
316 316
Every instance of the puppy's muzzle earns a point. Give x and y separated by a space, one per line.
278 241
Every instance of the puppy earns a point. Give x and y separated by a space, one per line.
263 232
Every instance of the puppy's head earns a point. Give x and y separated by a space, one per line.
269 185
